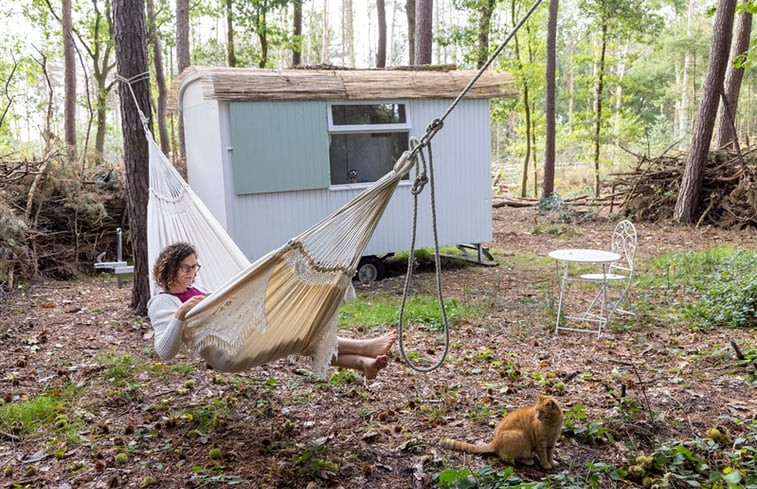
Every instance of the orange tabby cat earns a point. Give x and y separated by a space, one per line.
521 433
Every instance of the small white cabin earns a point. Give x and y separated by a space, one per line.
272 152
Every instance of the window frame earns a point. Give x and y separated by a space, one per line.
394 127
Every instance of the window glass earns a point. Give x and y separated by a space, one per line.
361 158
360 152
368 114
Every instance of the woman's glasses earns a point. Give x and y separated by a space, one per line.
190 268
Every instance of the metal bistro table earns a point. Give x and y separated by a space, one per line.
568 256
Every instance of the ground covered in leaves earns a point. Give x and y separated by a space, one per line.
109 414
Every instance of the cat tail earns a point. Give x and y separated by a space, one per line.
466 447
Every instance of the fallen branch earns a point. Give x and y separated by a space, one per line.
736 350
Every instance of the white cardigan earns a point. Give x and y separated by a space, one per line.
161 309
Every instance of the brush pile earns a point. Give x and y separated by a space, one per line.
729 189
56 218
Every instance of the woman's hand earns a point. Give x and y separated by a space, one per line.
182 311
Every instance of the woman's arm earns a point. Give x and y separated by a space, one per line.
162 312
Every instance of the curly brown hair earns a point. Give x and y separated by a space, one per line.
167 265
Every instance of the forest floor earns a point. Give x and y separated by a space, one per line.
120 418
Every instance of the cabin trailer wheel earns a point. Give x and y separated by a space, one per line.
370 269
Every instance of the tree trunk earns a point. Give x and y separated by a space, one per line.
103 84
261 27
526 109
182 59
69 75
424 17
598 105
733 77
297 31
231 57
548 185
484 28
381 47
683 113
101 101
410 12
348 33
620 71
160 78
131 55
570 82
325 33
691 183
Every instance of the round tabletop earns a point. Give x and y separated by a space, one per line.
581 255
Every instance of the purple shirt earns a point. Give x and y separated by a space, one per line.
188 294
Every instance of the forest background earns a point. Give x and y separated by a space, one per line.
629 78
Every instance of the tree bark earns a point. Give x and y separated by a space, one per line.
160 79
733 77
69 75
231 57
131 56
484 28
410 12
182 59
325 32
297 32
526 108
598 108
683 113
691 184
261 27
348 33
548 184
424 17
381 47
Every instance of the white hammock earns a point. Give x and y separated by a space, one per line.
285 303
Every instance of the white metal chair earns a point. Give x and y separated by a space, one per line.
619 273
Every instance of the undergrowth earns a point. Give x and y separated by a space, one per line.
724 280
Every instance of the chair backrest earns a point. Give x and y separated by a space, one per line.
624 244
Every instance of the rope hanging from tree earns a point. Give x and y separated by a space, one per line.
425 175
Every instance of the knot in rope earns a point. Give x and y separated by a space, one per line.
421 178
420 181
431 129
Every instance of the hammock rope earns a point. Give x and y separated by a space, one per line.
128 81
424 174
421 179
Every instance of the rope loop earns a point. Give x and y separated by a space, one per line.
417 148
418 185
421 176
128 82
420 181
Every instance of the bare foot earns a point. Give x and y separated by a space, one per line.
372 366
376 347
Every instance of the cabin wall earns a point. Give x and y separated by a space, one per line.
261 222
206 130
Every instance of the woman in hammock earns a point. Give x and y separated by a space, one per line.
174 272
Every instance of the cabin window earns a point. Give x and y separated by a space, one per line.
365 140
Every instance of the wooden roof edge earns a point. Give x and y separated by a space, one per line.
334 83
